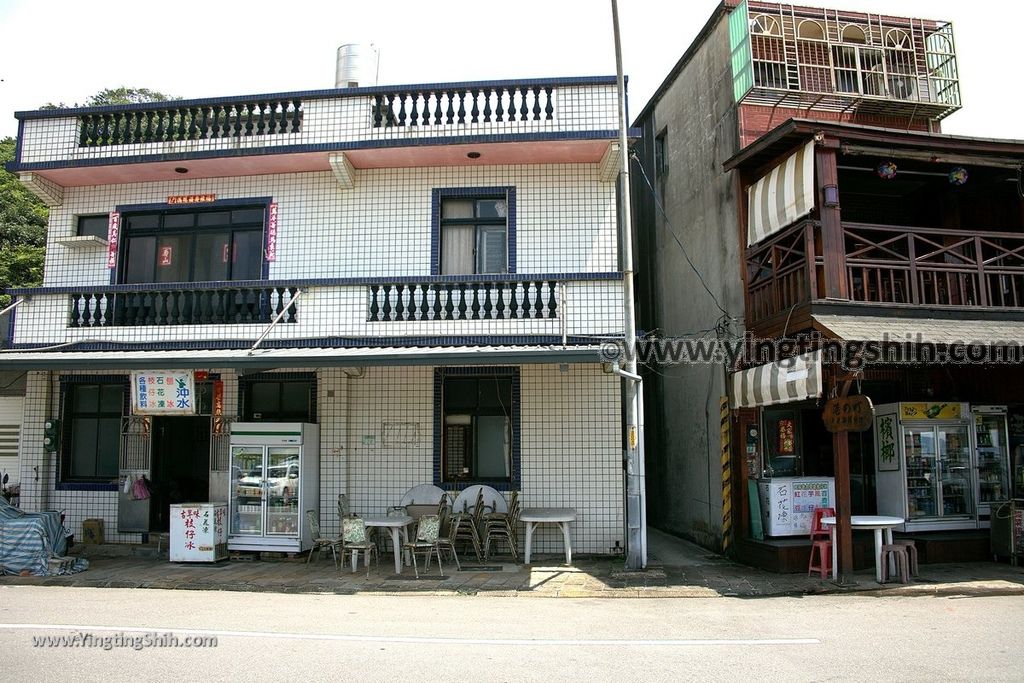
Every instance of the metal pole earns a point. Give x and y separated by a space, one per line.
636 550
275 321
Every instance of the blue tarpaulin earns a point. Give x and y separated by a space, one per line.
29 540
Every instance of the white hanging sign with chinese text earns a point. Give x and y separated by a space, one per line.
163 392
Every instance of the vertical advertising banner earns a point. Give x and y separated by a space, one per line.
113 238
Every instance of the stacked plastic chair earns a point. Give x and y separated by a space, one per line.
502 526
464 527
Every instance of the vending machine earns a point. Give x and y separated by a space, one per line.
924 465
274 480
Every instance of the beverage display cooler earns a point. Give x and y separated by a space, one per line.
940 465
274 481
992 452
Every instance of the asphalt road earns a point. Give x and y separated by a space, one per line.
263 636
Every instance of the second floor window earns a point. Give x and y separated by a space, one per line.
208 245
474 235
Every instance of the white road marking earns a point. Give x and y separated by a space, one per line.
410 639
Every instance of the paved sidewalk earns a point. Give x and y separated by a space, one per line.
675 569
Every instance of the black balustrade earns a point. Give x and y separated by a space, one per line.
534 299
215 306
170 123
494 104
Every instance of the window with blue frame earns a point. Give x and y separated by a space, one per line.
193 245
92 426
474 235
478 424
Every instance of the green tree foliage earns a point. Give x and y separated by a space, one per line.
122 95
22 229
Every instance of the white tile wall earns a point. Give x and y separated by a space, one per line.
565 223
570 443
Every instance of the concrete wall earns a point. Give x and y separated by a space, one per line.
699 120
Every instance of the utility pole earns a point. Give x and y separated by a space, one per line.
636 513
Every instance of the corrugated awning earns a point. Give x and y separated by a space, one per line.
299 357
922 330
784 381
782 196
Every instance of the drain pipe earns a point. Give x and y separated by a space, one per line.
275 321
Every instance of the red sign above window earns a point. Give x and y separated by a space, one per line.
191 198
166 256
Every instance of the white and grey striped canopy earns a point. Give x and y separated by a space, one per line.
784 381
782 196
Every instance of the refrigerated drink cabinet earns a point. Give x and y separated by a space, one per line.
274 480
924 465
992 457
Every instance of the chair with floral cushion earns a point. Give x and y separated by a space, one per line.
320 542
427 532
354 538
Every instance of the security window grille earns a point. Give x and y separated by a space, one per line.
279 401
474 236
209 245
477 416
92 423
93 226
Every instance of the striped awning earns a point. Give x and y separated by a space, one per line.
784 381
785 194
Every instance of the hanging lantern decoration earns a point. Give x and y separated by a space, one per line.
958 176
886 170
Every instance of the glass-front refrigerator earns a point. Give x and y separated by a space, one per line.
924 465
992 451
274 481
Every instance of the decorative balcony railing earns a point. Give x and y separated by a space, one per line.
463 301
934 267
289 122
545 309
889 265
446 106
169 123
219 306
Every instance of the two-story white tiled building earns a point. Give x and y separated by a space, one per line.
425 272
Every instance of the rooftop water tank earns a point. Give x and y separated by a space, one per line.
357 66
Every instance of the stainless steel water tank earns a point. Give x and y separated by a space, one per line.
357 66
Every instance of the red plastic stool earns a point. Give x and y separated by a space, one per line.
824 550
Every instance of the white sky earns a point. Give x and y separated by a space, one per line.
57 50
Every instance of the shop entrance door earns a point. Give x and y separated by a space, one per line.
180 466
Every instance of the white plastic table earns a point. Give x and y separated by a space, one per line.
876 523
396 525
559 516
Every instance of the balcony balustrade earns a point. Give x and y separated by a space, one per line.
463 301
215 306
888 265
297 121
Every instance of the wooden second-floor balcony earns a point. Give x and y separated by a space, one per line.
886 264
